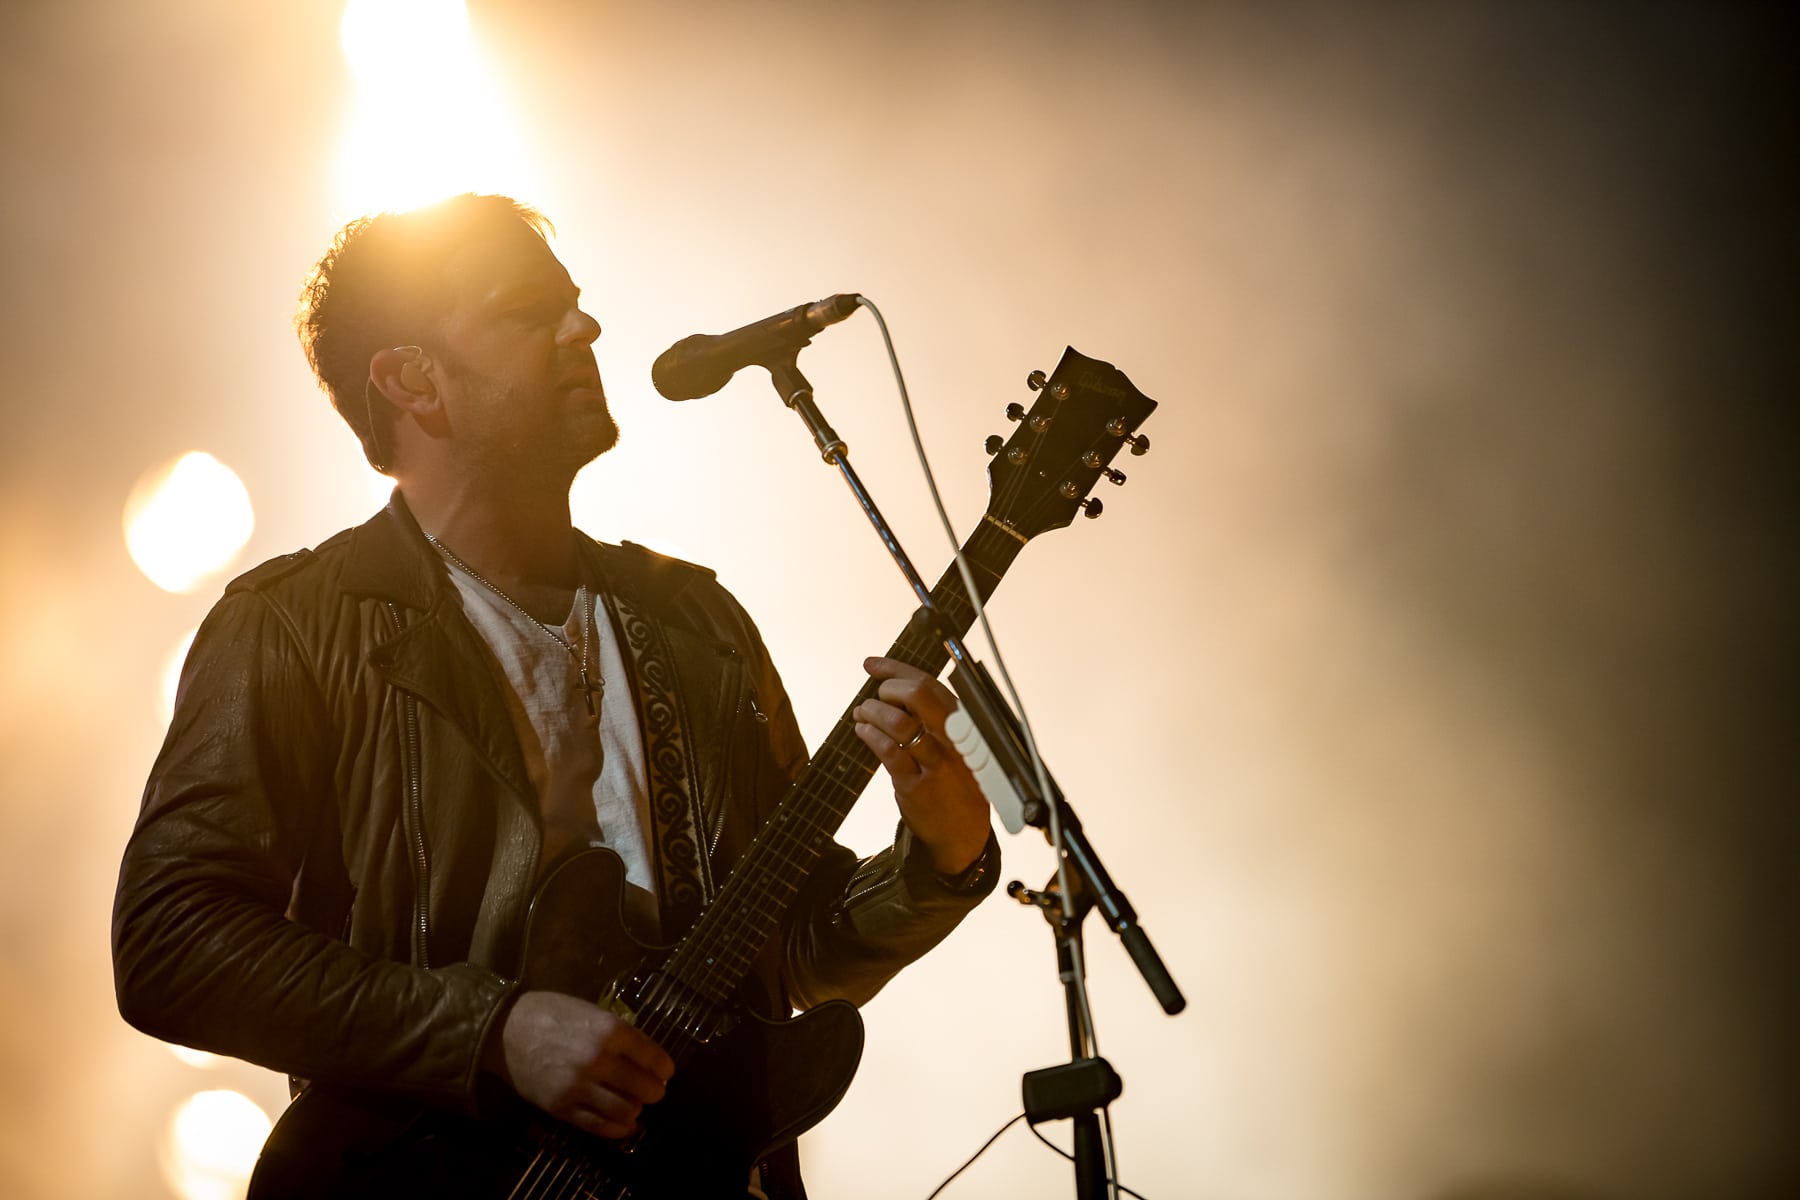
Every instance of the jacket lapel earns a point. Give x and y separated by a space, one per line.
428 659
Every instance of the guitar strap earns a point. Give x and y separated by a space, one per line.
675 852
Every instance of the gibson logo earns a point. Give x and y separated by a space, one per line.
1096 382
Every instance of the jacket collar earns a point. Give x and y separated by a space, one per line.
389 559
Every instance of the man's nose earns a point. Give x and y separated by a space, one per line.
579 327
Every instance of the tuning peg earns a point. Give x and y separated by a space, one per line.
1036 380
1138 444
993 443
1015 411
1092 508
1114 477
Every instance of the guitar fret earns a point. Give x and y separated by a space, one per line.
722 946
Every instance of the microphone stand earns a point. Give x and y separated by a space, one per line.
1087 1084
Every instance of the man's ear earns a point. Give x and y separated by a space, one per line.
402 376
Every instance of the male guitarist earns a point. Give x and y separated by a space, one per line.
382 746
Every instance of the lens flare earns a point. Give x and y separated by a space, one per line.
186 520
210 1145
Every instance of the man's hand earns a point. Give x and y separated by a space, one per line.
579 1063
939 799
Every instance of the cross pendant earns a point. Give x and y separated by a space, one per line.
589 689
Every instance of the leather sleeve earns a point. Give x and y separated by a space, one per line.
864 920
204 953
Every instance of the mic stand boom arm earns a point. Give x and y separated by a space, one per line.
1080 1088
989 710
1001 731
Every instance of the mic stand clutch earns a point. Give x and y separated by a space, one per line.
797 394
1080 1088
1083 1087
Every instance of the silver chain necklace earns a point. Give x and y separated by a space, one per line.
584 605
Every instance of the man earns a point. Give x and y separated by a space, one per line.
382 745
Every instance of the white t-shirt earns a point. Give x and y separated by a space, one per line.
587 768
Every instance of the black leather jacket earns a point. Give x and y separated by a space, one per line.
338 842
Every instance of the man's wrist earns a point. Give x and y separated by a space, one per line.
976 875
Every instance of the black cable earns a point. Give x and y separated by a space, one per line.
1040 1137
978 1154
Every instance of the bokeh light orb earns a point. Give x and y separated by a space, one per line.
210 1144
186 520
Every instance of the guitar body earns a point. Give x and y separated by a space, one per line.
735 1097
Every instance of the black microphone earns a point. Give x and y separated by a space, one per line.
702 364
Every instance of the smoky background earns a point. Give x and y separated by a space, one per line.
1429 686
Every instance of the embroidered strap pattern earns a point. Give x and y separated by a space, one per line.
668 756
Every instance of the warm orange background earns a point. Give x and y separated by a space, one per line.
1429 686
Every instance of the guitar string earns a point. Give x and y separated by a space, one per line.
729 948
688 1011
568 1173
556 1166
687 1015
858 760
842 754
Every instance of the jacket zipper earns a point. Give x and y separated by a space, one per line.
415 819
718 830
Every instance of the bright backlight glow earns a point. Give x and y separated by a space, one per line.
171 680
187 520
404 39
210 1145
429 121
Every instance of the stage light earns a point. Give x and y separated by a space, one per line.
187 520
429 121
403 39
210 1145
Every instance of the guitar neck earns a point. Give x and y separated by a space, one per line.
713 959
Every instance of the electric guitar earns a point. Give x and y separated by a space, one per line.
745 1083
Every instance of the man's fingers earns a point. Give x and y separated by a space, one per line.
639 1051
890 720
887 749
891 668
912 692
633 1082
604 1114
581 1063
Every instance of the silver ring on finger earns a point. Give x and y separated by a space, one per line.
915 739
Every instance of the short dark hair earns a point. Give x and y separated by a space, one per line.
381 284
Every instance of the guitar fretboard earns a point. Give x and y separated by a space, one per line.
717 953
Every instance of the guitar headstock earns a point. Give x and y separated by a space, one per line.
1085 413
